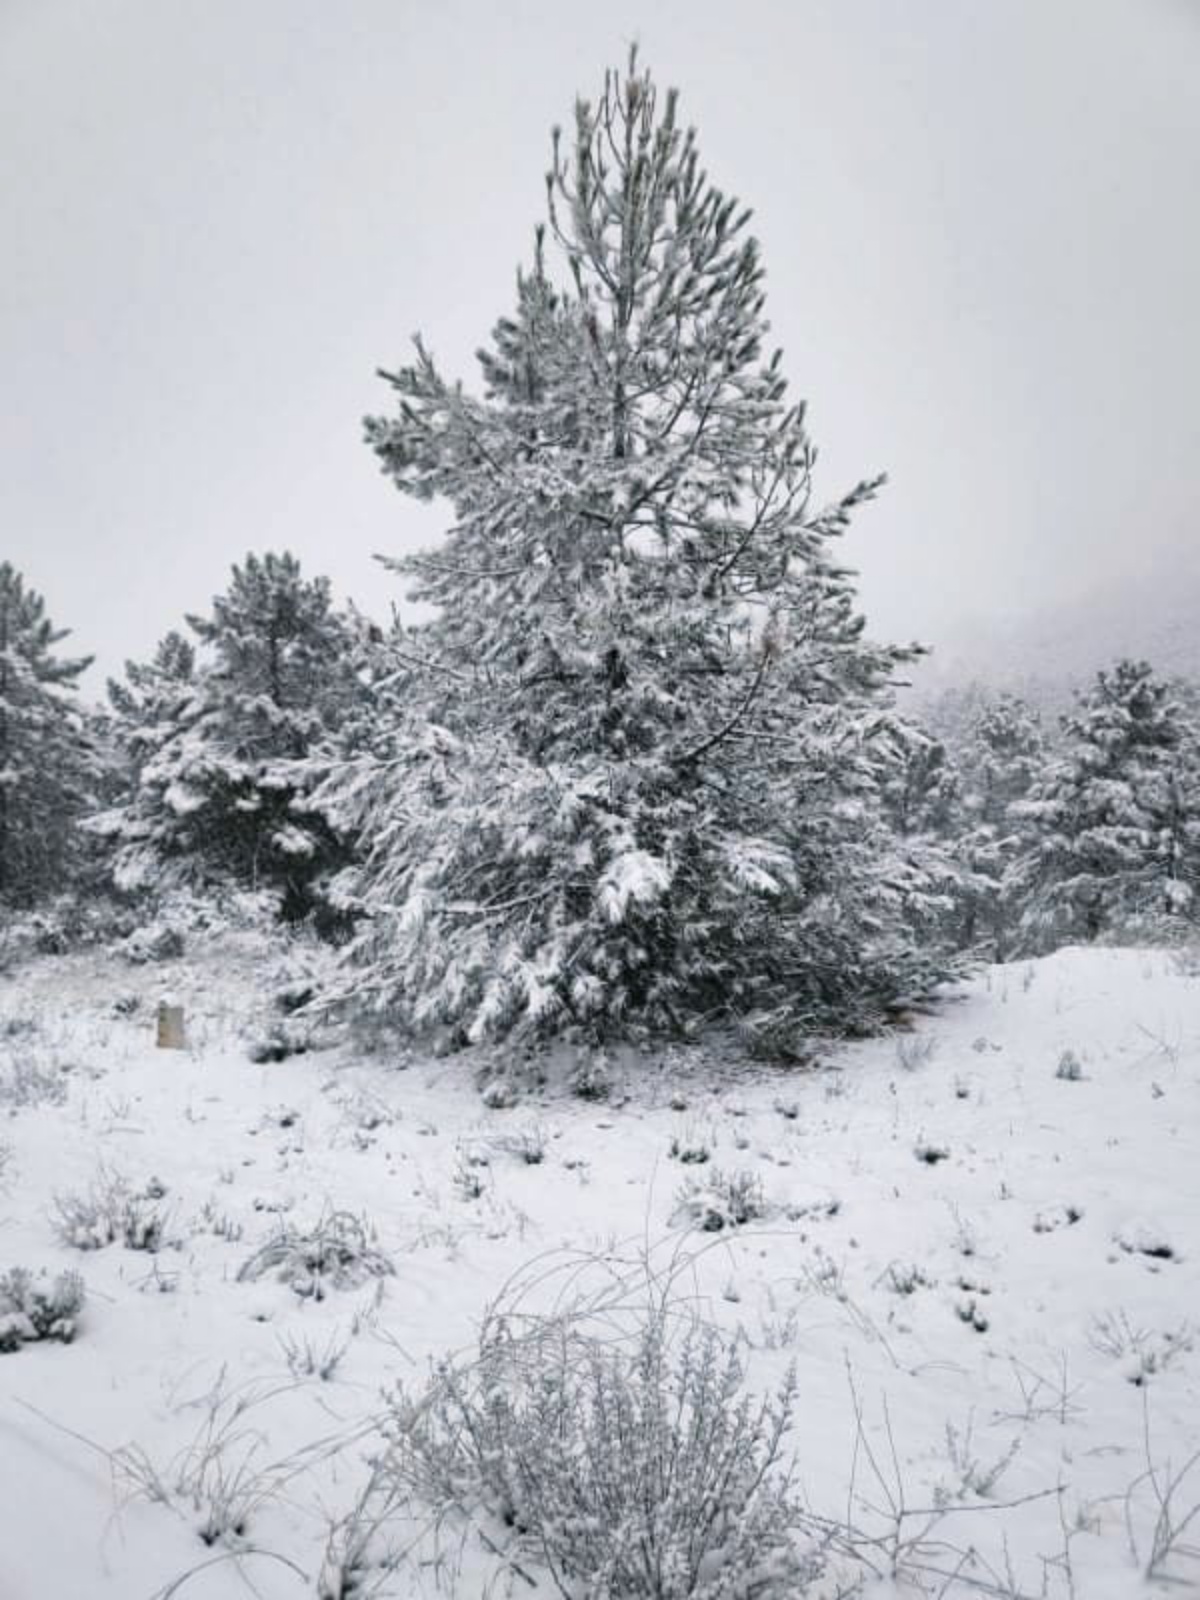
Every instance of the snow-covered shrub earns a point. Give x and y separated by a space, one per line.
470 1177
34 1308
930 1153
295 992
691 1148
75 921
974 1477
220 1479
156 941
1142 1237
632 1468
278 1043
718 1199
1069 1068
499 1093
592 1076
111 1211
914 1050
308 1359
338 1252
30 1075
527 1144
1142 1352
906 1279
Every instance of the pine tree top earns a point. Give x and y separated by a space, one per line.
27 633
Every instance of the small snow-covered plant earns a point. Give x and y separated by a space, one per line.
1174 1493
500 1092
1143 1352
219 1223
1069 1068
219 1475
350 1559
33 1308
281 1040
720 1200
907 1279
111 1212
592 1077
338 1252
527 1144
1112 1334
470 1177
692 1147
156 941
308 1359
367 1112
929 1153
31 1078
966 1240
972 1475
914 1050
632 1466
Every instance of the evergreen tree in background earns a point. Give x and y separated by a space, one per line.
923 794
638 776
1003 758
924 804
48 763
1111 820
217 736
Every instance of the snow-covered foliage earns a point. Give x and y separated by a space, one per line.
33 1307
217 734
48 761
1116 821
631 1463
636 763
1002 757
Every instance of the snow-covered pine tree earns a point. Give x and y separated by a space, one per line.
924 793
1109 818
639 783
1177 843
150 709
923 800
218 735
47 756
1003 757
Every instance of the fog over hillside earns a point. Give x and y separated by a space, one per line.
1050 649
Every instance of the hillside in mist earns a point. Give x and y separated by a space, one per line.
1050 649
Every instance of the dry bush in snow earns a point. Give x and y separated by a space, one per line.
33 1308
338 1252
621 1454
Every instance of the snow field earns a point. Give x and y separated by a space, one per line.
983 1266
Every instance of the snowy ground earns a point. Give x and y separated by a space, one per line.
1001 1263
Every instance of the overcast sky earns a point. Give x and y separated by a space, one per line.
980 221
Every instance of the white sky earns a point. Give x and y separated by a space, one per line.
980 220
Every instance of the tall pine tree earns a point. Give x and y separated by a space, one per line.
639 781
47 757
